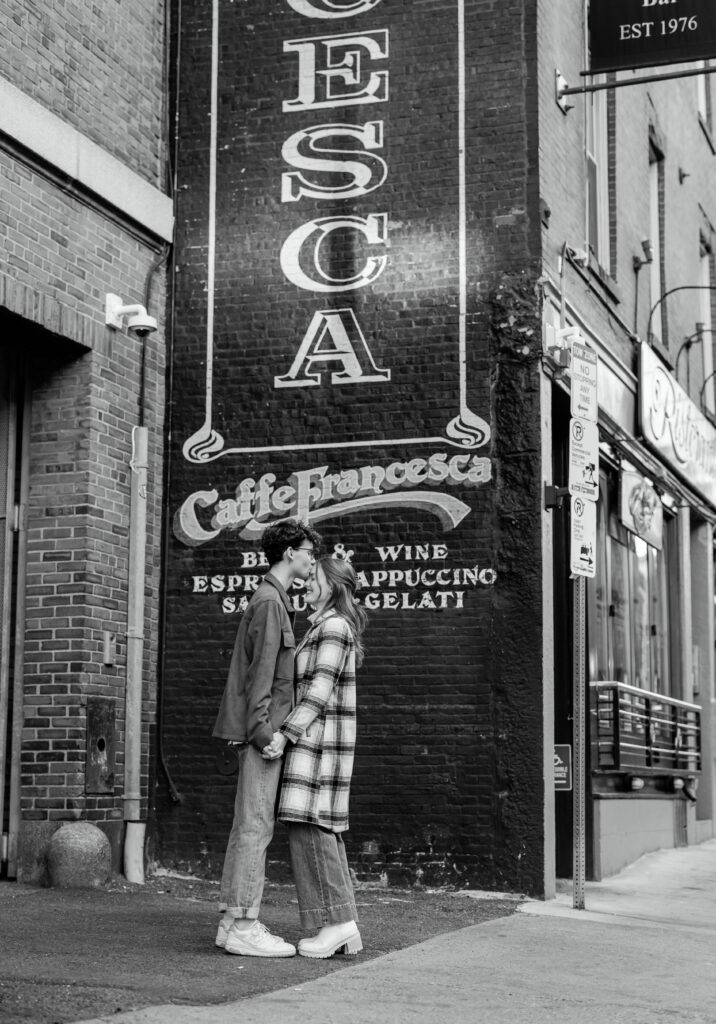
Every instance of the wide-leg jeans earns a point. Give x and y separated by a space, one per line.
321 874
242 880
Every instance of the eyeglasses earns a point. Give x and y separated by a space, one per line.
309 550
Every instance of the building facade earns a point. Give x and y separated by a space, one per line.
84 212
628 201
394 202
353 248
380 240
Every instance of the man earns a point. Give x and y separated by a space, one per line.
257 699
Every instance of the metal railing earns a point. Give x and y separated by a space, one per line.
638 729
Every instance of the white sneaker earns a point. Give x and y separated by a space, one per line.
257 941
224 928
332 938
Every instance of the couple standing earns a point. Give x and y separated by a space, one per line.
315 727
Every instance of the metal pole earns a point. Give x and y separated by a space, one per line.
598 87
579 793
18 699
134 834
8 440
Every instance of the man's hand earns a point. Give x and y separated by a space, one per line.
275 748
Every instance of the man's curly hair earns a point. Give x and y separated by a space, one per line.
289 533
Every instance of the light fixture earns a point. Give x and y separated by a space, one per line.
635 783
138 320
648 250
578 256
677 783
558 343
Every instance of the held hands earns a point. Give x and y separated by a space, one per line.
275 748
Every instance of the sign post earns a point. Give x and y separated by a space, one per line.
579 794
583 487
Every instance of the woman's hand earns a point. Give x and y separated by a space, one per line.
275 748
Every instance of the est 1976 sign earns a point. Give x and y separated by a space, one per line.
645 33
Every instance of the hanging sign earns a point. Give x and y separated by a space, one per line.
583 459
640 508
583 538
645 33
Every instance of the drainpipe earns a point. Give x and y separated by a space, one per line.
134 826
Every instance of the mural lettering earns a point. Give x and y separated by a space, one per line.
409 588
361 253
314 495
331 9
332 71
348 347
374 228
310 150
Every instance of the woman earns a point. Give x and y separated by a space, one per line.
319 738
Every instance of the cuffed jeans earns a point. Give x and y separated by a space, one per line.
320 872
242 880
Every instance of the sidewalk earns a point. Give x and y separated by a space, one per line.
642 952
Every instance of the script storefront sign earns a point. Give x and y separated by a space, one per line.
674 428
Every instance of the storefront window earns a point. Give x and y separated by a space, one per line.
632 633
603 668
619 613
659 618
640 615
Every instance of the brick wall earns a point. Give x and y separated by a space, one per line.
102 71
100 67
82 416
448 776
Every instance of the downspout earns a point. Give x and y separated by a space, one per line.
134 826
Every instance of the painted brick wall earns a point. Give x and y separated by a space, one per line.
101 69
448 775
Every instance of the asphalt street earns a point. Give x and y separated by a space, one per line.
67 955
643 951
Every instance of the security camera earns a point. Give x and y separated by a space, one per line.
138 320
141 323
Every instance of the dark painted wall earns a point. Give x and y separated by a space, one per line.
372 365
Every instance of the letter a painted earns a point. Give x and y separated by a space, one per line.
347 347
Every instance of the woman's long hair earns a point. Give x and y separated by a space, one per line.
341 578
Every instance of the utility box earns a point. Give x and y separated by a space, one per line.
101 744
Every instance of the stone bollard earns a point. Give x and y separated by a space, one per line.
79 856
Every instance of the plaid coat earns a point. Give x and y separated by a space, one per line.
321 729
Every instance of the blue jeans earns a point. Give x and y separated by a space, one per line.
242 880
320 872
